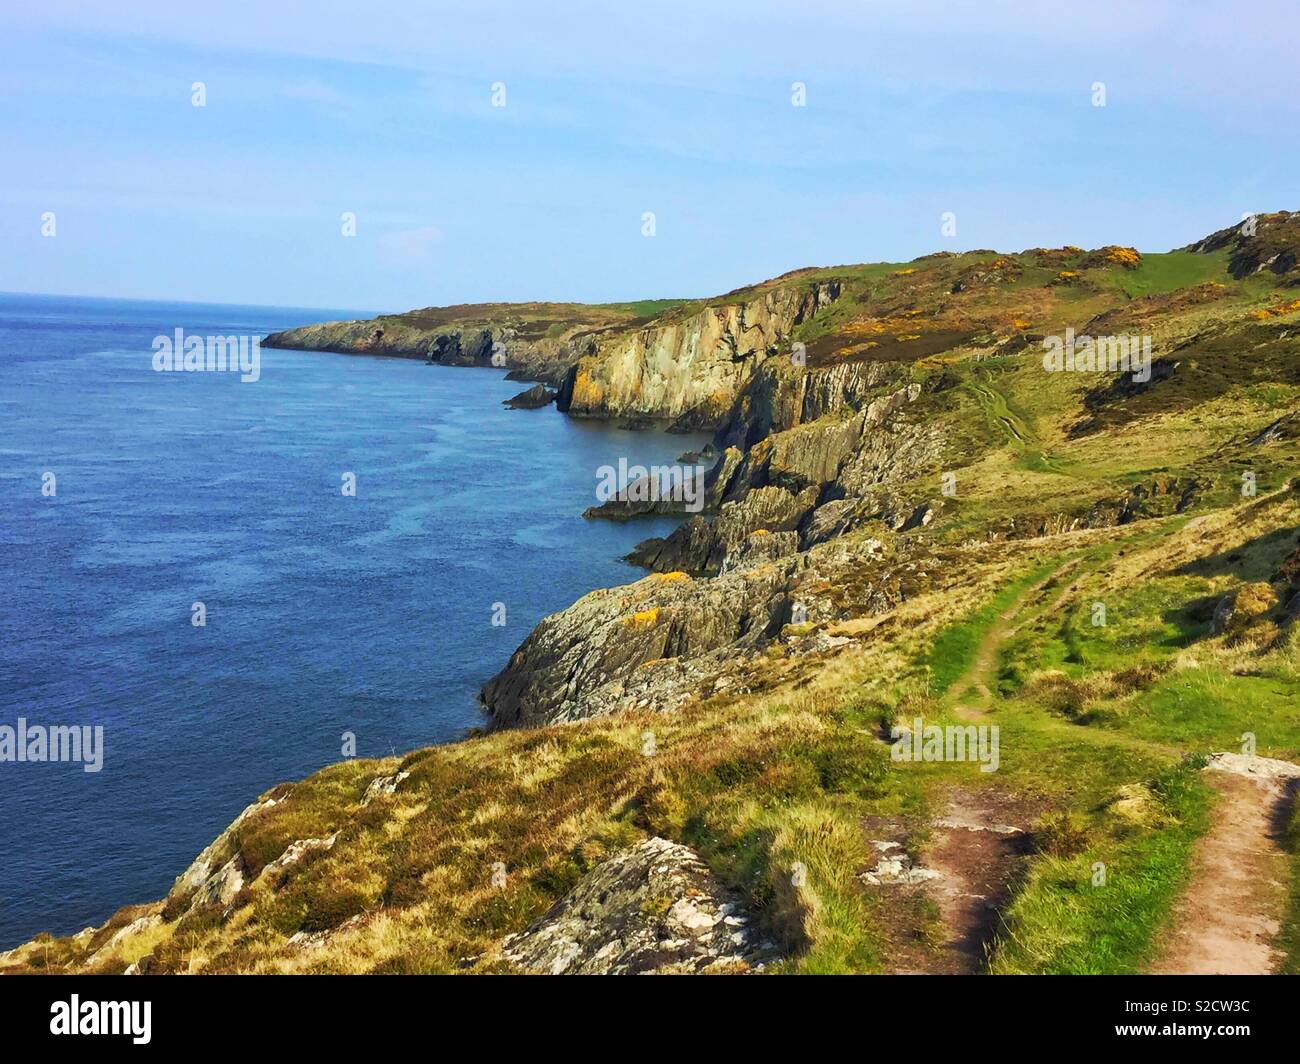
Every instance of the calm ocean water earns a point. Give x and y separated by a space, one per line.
325 614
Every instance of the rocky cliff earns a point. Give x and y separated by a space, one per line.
535 341
850 448
688 367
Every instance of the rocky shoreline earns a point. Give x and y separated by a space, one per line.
802 456
806 458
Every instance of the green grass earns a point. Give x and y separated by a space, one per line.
646 308
1198 709
1168 271
995 407
1209 709
1289 940
1147 624
1067 921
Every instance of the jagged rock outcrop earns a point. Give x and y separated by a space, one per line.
1265 242
533 398
893 453
652 909
216 875
785 477
836 517
687 548
383 785
669 637
690 368
704 546
760 546
807 455
581 662
296 851
221 887
701 490
780 396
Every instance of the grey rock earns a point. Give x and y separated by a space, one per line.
760 547
533 398
896 868
651 909
204 872
221 887
1224 611
594 657
669 637
700 546
382 785
295 851
135 927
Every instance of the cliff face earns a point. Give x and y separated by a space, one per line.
680 363
849 451
668 637
808 455
689 370
612 646
535 341
778 397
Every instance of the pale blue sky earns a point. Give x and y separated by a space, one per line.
914 108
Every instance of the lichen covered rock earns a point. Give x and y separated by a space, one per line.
652 909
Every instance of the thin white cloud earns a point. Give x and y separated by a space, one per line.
409 247
317 94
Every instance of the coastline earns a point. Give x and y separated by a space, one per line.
903 522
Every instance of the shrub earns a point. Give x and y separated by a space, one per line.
1061 834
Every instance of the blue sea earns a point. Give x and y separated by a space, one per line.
324 613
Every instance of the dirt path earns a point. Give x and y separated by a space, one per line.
977 855
995 407
979 674
944 911
946 908
1232 909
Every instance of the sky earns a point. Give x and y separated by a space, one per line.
388 112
